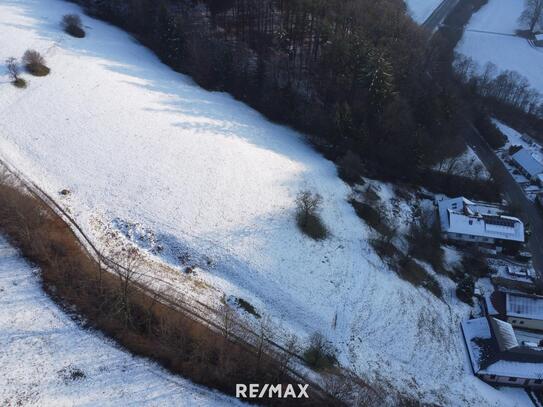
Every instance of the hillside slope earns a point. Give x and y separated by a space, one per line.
47 359
195 174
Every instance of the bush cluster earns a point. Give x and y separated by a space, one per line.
71 24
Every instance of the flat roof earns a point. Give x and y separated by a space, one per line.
524 306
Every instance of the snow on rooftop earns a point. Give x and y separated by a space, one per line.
505 335
40 347
526 160
475 329
524 306
461 216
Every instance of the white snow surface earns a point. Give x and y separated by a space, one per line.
420 10
41 347
496 44
138 144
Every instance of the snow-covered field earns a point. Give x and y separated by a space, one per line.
420 10
467 164
496 44
46 359
143 150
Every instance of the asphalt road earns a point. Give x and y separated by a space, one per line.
530 213
439 14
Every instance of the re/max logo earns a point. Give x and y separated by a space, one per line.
257 391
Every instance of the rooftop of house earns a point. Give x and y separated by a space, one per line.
524 306
514 272
526 160
462 216
496 348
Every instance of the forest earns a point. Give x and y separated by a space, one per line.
354 75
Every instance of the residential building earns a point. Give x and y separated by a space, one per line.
464 220
520 310
501 354
527 164
514 276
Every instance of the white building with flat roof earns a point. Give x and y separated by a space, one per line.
464 220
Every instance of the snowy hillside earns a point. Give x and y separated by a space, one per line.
420 10
46 359
489 37
141 148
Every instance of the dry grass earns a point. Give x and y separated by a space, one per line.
135 319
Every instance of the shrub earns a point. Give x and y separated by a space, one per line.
425 242
465 290
247 306
19 83
493 136
14 70
35 63
475 264
514 149
350 168
406 267
307 215
413 272
320 354
373 217
71 24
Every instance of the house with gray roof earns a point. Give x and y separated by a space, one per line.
527 164
502 354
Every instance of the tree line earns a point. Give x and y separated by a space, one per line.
352 74
508 87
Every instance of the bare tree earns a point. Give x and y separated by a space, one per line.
33 57
308 204
265 333
13 69
533 14
35 63
227 316
128 271
307 215
292 348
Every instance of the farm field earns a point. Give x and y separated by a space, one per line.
489 37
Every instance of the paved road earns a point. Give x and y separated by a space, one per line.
439 14
530 213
